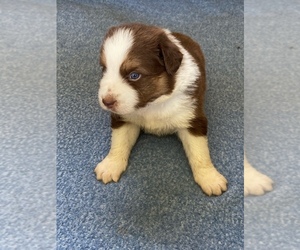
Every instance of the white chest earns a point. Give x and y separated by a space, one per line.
164 117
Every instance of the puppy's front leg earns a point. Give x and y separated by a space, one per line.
205 174
115 163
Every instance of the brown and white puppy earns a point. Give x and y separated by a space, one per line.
154 80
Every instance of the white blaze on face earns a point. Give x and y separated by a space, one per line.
115 49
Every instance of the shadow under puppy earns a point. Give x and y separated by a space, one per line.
154 80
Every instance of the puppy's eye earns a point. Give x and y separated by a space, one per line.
134 76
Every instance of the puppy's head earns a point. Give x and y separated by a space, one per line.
139 63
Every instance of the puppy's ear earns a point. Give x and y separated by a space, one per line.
170 54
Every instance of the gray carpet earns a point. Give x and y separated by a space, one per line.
156 204
272 114
27 124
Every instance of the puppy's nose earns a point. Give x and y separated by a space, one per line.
109 101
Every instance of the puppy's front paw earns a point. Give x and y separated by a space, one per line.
256 183
211 181
110 170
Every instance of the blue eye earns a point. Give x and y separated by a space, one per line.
134 76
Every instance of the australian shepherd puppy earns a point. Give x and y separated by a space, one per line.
154 80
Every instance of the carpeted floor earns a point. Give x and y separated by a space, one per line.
27 124
156 204
272 114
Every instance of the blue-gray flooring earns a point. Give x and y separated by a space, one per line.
272 114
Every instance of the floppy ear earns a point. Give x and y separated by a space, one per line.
170 54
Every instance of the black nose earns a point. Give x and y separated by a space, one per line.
109 101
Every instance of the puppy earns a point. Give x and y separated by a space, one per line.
255 183
154 80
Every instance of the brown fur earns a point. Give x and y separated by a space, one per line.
155 57
116 121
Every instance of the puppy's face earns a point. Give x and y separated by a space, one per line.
139 63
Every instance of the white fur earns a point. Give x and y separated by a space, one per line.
188 71
115 163
116 49
255 183
163 118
